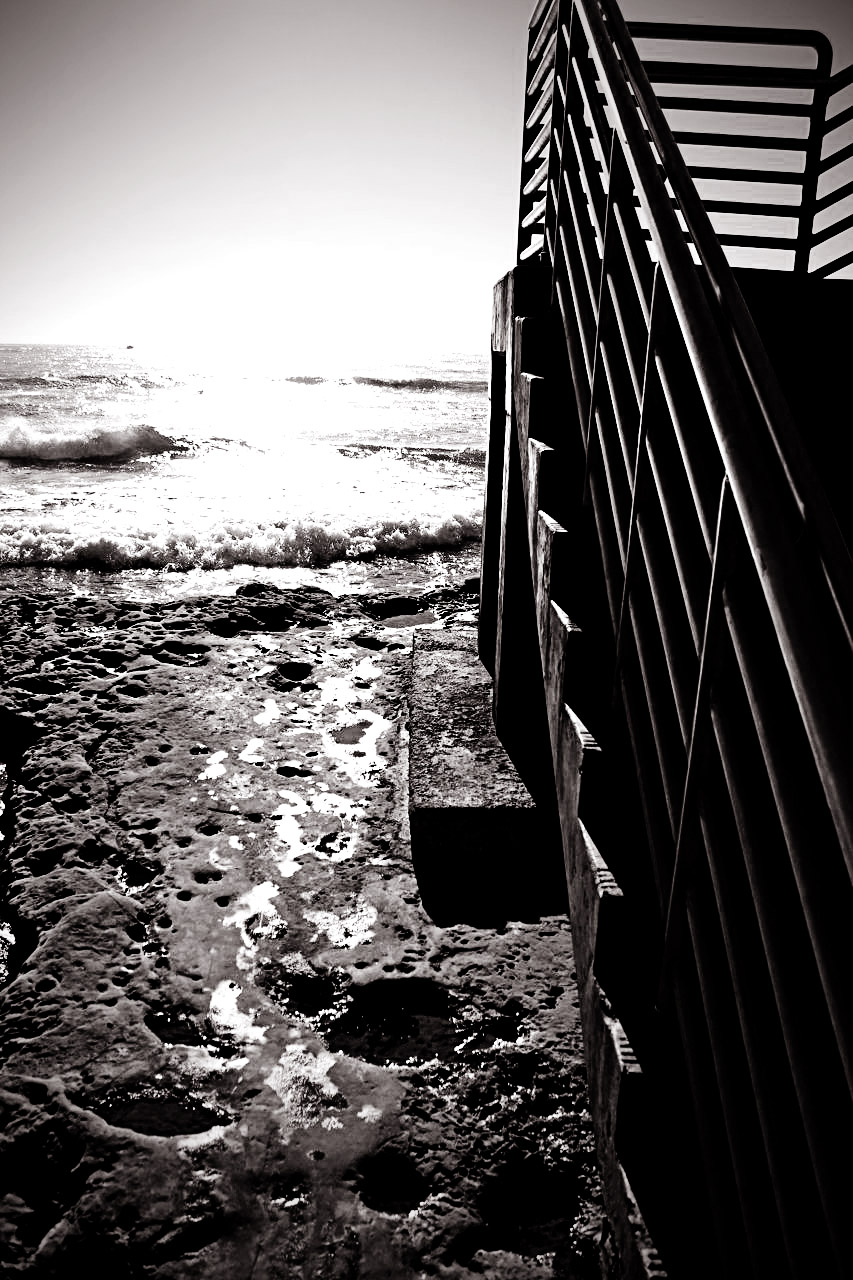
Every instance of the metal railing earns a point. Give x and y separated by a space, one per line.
726 611
758 136
836 179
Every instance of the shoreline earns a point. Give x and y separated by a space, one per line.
231 1032
413 570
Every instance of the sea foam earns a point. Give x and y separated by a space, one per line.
230 543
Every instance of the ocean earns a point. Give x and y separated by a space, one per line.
126 469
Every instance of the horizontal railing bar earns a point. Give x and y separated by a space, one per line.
836 121
749 209
840 80
837 157
539 110
786 177
712 34
739 140
539 11
535 215
834 229
535 149
829 268
537 181
535 246
544 31
742 106
781 241
546 66
834 197
717 73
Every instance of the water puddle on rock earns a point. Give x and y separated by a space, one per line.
7 942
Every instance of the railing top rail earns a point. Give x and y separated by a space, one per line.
709 33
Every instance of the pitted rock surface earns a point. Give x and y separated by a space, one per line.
233 1042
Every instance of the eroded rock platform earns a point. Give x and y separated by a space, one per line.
234 1043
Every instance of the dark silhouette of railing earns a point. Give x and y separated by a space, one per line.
771 183
837 150
694 601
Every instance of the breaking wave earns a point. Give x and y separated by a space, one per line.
472 386
274 544
467 457
55 382
24 441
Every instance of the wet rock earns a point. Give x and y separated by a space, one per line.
396 1020
154 1111
389 1180
231 1032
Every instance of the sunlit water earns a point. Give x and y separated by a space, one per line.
111 459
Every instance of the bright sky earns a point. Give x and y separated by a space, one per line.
315 174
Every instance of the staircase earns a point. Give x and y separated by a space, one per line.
667 613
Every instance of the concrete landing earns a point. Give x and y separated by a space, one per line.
482 852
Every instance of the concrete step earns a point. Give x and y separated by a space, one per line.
482 851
